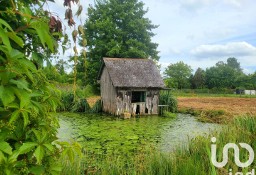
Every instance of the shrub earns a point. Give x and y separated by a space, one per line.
170 100
221 91
169 114
97 107
67 101
80 105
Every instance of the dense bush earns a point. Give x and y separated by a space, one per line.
80 105
68 103
170 100
205 91
221 91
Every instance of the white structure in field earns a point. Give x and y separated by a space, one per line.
249 92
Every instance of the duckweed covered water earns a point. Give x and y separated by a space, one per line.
102 134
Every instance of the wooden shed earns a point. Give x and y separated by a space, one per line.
130 85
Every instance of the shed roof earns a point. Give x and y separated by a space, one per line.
131 72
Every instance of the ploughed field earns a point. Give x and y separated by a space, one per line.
231 105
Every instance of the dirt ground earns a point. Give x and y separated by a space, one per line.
231 106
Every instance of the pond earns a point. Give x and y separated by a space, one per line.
102 134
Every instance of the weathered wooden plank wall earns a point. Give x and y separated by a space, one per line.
108 93
124 103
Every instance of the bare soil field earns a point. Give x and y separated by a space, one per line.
232 106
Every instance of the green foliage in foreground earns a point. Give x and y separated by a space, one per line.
27 131
185 161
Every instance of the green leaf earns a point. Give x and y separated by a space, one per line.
21 83
2 157
4 50
6 76
15 54
6 95
25 118
27 147
5 39
15 38
4 134
38 58
13 105
42 29
55 169
23 96
49 146
14 156
28 64
37 170
5 147
37 134
27 11
39 153
15 115
5 24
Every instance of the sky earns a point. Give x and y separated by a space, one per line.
198 32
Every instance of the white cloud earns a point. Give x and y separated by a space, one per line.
194 5
236 3
236 49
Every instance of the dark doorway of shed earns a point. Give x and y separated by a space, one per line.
146 110
138 109
138 96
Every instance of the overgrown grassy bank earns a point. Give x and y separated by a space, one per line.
215 92
79 102
194 160
210 116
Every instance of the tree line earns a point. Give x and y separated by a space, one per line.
227 74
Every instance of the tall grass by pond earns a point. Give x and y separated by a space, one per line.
68 103
194 160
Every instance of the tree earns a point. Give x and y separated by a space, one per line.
220 76
178 74
253 80
233 63
250 81
225 75
60 66
198 80
119 29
